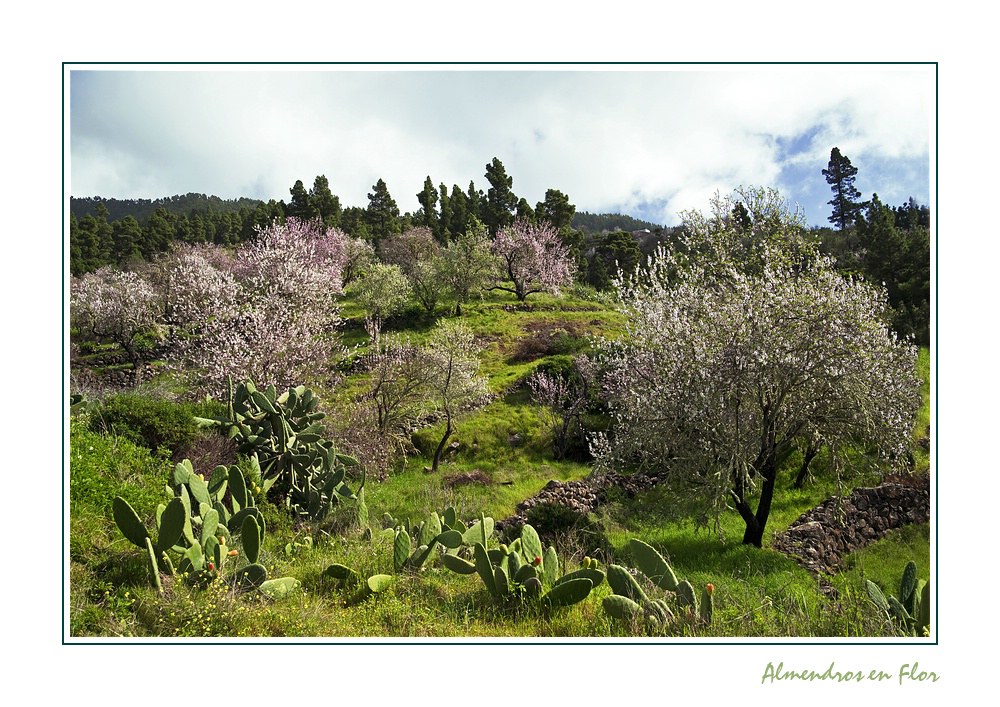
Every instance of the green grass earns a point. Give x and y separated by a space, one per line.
759 592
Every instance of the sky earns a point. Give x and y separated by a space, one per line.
645 140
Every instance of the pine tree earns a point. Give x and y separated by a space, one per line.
299 206
324 202
427 216
840 175
444 218
382 214
501 202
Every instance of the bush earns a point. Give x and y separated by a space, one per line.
152 423
550 518
574 532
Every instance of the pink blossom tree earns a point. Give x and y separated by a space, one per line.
565 400
532 258
280 328
266 312
727 361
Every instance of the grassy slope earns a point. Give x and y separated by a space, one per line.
759 592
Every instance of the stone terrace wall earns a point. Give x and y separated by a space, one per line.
817 539
583 496
839 525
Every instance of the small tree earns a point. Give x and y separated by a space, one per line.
565 400
400 374
116 305
359 255
468 267
727 362
452 357
418 255
533 259
383 291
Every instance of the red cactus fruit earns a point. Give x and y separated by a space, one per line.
211 566
538 561
710 589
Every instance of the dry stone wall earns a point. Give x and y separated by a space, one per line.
583 496
818 539
822 536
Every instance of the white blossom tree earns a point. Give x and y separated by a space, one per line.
116 305
733 350
399 376
532 259
359 255
452 358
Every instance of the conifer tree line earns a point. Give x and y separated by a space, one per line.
882 243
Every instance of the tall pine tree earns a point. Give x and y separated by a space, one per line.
501 202
324 202
382 214
840 175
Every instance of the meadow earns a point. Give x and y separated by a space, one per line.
129 444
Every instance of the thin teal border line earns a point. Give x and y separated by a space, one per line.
934 433
541 643
62 342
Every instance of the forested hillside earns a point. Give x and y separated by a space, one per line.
142 209
880 242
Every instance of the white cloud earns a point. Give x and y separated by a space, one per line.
608 139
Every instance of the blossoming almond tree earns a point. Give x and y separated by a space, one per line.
116 305
266 312
532 258
565 399
452 357
280 327
726 362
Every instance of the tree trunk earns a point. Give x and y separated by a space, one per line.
766 466
811 452
136 359
754 534
440 447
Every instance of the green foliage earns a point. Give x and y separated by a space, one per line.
910 607
284 436
150 422
103 467
630 602
553 519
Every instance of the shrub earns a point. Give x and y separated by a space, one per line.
150 422
550 518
